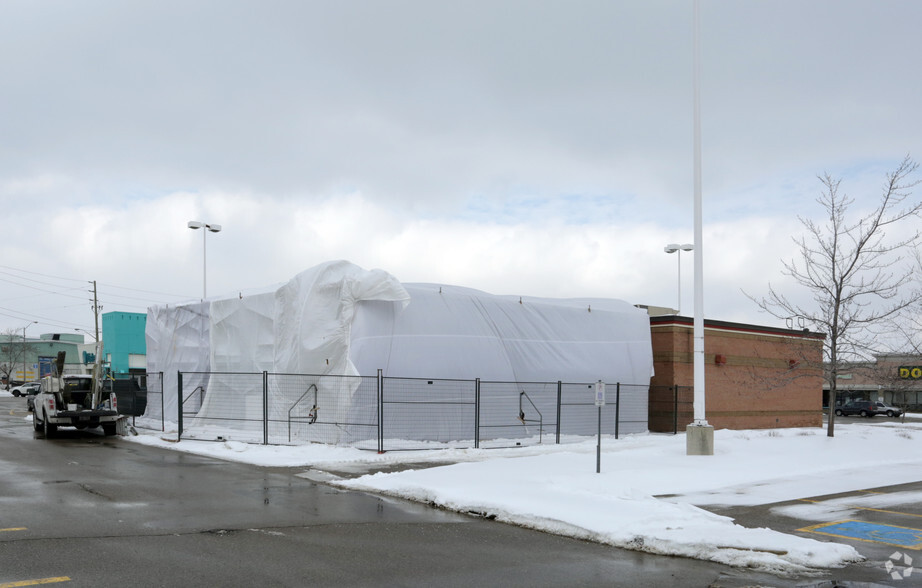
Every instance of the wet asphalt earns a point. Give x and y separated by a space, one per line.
85 510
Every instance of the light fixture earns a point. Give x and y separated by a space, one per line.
209 228
676 248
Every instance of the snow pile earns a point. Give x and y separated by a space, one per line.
648 494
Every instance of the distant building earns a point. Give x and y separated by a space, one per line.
893 378
29 359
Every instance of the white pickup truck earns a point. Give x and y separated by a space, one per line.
74 400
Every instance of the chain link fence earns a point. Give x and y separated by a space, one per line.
672 408
151 417
391 414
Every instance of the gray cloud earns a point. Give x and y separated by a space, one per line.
492 115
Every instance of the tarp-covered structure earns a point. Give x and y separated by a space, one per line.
341 321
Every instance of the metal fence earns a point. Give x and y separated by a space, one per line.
671 408
153 399
389 414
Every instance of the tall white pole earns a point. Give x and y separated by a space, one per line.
678 306
206 228
24 354
699 404
26 326
204 263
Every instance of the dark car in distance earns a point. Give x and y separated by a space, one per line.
865 408
30 396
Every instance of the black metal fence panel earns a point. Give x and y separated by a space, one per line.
153 417
517 413
418 413
335 410
671 408
391 414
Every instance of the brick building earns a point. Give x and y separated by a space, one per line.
755 377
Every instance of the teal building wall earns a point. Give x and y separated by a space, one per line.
122 337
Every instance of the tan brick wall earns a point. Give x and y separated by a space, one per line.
764 380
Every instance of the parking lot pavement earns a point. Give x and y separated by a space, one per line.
153 517
883 523
165 505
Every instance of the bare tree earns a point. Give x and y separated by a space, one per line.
12 351
909 326
856 277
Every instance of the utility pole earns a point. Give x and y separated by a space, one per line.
96 308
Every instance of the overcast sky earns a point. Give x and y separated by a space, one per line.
520 147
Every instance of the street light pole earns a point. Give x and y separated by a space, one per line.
699 436
699 403
85 332
676 248
214 229
24 349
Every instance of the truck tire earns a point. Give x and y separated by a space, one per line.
108 429
50 429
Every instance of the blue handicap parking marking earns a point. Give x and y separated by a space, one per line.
876 533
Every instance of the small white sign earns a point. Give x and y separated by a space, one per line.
600 393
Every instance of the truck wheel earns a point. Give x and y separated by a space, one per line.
50 429
108 429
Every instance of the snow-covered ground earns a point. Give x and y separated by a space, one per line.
649 492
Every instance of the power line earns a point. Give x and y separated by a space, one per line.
21 316
180 296
16 269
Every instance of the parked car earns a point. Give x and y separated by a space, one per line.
25 389
889 410
864 408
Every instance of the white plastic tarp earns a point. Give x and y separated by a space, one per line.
301 327
338 319
455 332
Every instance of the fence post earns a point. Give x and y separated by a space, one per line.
265 408
162 416
617 406
477 413
598 447
179 404
559 390
380 411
